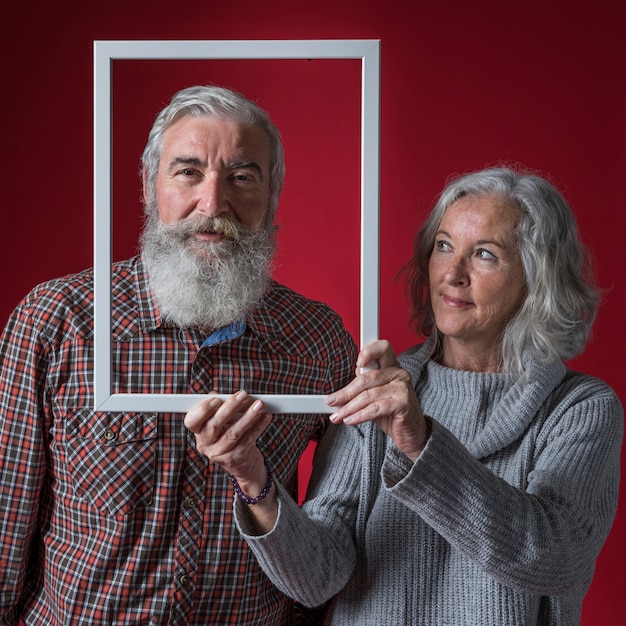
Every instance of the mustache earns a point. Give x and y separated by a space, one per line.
229 229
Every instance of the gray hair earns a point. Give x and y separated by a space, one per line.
224 104
555 318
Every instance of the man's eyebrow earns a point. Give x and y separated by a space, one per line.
184 160
247 165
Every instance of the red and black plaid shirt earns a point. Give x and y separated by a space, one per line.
115 518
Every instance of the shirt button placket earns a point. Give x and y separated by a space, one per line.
189 541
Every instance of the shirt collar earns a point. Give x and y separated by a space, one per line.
134 309
147 308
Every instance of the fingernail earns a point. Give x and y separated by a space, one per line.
334 418
330 400
257 406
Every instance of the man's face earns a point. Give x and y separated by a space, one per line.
205 244
212 167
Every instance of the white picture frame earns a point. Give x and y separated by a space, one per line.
368 51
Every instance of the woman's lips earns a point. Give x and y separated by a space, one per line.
456 303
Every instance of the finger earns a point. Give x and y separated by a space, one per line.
376 408
345 394
379 351
381 394
228 414
247 426
212 417
367 379
356 408
370 404
233 450
199 414
229 436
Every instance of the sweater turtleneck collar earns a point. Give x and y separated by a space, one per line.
485 411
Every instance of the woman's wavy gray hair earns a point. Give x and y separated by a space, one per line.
561 299
224 104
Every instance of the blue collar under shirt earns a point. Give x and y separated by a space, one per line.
227 333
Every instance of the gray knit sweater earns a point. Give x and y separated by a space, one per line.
499 522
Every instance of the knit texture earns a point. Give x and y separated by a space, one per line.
499 521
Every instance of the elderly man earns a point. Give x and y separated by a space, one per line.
116 518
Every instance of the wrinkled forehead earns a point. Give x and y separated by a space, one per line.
210 137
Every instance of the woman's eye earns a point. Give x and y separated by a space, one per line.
485 254
442 245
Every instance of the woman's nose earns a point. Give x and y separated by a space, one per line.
456 272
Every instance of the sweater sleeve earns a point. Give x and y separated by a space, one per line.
321 533
543 538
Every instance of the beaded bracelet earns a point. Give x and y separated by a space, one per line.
263 494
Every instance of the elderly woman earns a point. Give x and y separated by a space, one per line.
474 480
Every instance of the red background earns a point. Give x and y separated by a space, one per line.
464 85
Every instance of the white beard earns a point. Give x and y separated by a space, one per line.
206 285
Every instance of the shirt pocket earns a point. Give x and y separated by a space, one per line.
111 457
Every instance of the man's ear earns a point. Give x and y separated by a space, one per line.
146 195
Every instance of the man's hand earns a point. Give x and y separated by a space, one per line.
226 432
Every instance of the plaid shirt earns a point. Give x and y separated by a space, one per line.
115 518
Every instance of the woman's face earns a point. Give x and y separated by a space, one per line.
476 276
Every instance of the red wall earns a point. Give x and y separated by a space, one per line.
463 87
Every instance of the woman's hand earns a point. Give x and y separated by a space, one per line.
226 432
385 396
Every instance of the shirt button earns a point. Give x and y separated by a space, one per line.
184 579
109 434
191 503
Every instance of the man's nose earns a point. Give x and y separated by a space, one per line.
214 196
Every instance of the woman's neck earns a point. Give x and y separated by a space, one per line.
462 356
